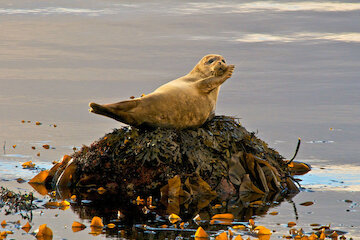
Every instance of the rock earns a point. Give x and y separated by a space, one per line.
220 153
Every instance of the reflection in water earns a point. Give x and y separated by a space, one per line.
259 6
351 37
53 10
300 37
190 8
333 177
146 219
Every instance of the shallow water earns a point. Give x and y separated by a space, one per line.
297 75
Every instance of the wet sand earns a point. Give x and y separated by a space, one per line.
297 70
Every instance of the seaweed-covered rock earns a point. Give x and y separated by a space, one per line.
222 153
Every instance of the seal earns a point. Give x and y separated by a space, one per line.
186 102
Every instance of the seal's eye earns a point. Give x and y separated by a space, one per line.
223 61
211 61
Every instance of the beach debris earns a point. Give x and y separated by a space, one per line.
110 225
38 123
77 226
44 233
309 203
173 218
28 164
251 223
224 219
40 178
96 222
238 237
222 236
3 224
26 227
261 230
20 180
201 234
101 190
291 224
46 146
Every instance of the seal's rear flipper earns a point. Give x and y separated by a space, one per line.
106 110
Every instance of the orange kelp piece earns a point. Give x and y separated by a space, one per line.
52 172
238 237
44 233
248 186
198 186
264 237
64 203
67 174
261 230
291 224
313 236
239 227
222 236
77 226
307 203
95 231
28 164
200 233
299 168
40 188
173 218
52 205
46 146
26 227
111 225
322 235
96 222
174 186
40 178
101 190
224 218
251 222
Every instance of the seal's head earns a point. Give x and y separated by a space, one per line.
210 65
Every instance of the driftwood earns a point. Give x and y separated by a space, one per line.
221 157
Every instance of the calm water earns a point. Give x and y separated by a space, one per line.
297 75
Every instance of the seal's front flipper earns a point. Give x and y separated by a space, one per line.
210 83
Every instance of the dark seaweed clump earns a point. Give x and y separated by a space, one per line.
12 202
221 152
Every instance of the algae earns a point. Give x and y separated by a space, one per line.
221 152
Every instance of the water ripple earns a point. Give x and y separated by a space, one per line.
260 6
350 37
56 10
